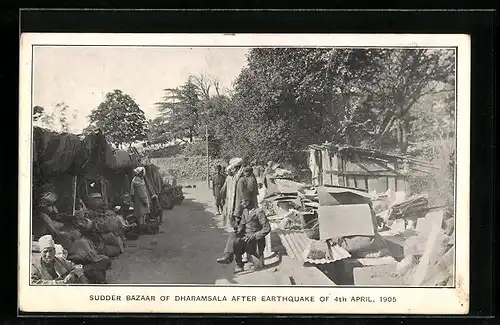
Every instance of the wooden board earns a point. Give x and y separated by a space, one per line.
345 220
423 265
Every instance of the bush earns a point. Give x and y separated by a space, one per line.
440 184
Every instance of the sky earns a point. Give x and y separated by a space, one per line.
81 76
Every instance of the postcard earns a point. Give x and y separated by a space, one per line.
244 173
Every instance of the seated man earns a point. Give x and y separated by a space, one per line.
228 256
51 269
252 230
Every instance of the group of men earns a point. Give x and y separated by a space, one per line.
50 268
236 198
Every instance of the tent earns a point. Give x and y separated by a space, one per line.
67 163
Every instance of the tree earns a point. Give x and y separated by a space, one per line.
184 110
120 119
57 118
62 108
359 97
42 118
180 111
288 98
408 77
158 131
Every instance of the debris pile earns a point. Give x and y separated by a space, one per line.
422 239
170 196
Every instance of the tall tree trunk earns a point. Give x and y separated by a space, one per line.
402 125
402 135
403 145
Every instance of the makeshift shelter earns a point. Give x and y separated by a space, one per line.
74 166
60 158
118 175
370 170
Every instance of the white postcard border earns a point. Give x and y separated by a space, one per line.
408 300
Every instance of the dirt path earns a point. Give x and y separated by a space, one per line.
184 251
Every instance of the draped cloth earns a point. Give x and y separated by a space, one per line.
233 189
139 193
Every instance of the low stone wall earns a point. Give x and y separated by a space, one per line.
186 168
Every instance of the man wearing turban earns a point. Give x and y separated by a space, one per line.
52 269
139 194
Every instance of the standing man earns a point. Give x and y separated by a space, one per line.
251 185
139 194
235 190
218 181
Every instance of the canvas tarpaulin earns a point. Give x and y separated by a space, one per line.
153 179
124 160
56 153
94 154
108 156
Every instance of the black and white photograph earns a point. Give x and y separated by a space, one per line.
241 164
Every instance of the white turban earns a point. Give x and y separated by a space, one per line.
139 170
235 162
46 242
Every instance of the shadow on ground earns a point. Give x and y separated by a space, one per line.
339 272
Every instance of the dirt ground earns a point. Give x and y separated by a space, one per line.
183 252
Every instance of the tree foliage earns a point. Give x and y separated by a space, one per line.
120 119
287 98
291 97
57 118
180 111
186 112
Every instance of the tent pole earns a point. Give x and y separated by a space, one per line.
74 194
208 157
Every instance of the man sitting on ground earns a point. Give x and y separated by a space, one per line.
52 269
